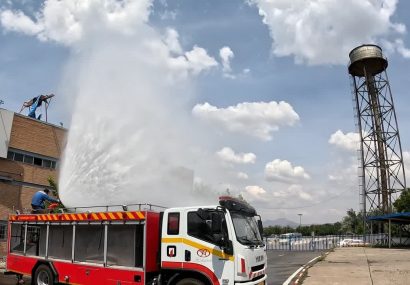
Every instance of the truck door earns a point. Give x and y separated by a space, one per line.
199 247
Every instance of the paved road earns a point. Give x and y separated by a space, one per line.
281 264
11 280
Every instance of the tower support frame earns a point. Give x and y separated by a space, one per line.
382 173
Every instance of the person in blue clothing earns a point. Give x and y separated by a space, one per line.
37 203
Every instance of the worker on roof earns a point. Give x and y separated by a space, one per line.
35 103
37 203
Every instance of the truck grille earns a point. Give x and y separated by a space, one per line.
257 267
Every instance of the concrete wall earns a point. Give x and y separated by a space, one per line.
6 121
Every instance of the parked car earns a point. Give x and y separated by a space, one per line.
351 242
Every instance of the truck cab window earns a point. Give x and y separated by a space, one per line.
173 224
199 226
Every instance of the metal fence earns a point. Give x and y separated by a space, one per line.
320 243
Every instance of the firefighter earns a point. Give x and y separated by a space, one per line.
37 203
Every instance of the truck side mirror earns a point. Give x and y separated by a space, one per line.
260 227
228 248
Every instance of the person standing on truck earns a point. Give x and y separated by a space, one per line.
37 203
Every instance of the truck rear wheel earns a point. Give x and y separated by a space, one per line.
43 276
190 281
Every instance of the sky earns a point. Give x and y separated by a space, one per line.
252 96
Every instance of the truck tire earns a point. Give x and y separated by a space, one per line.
190 281
43 276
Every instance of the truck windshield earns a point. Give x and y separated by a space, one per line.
246 229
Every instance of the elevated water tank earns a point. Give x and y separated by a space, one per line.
367 57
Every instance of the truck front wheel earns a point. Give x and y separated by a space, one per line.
43 276
190 281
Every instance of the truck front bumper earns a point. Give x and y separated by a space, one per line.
261 281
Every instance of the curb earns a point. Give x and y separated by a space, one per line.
297 277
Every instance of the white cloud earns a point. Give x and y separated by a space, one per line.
406 162
70 21
297 190
228 155
172 41
345 173
19 22
169 15
258 119
401 49
226 55
289 196
348 141
192 62
254 193
242 175
323 32
199 60
76 23
293 191
282 170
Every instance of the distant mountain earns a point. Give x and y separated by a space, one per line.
280 222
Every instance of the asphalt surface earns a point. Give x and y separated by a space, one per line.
11 280
281 264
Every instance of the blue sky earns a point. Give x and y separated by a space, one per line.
291 51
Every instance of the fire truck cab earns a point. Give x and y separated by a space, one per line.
177 246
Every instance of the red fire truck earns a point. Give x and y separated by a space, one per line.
137 244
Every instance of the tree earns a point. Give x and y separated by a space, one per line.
54 189
352 222
53 185
402 204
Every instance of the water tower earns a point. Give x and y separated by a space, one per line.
382 176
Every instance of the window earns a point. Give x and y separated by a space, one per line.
173 224
246 229
3 230
10 155
38 161
200 227
18 157
28 159
46 163
32 159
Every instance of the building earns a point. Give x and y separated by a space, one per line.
30 152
